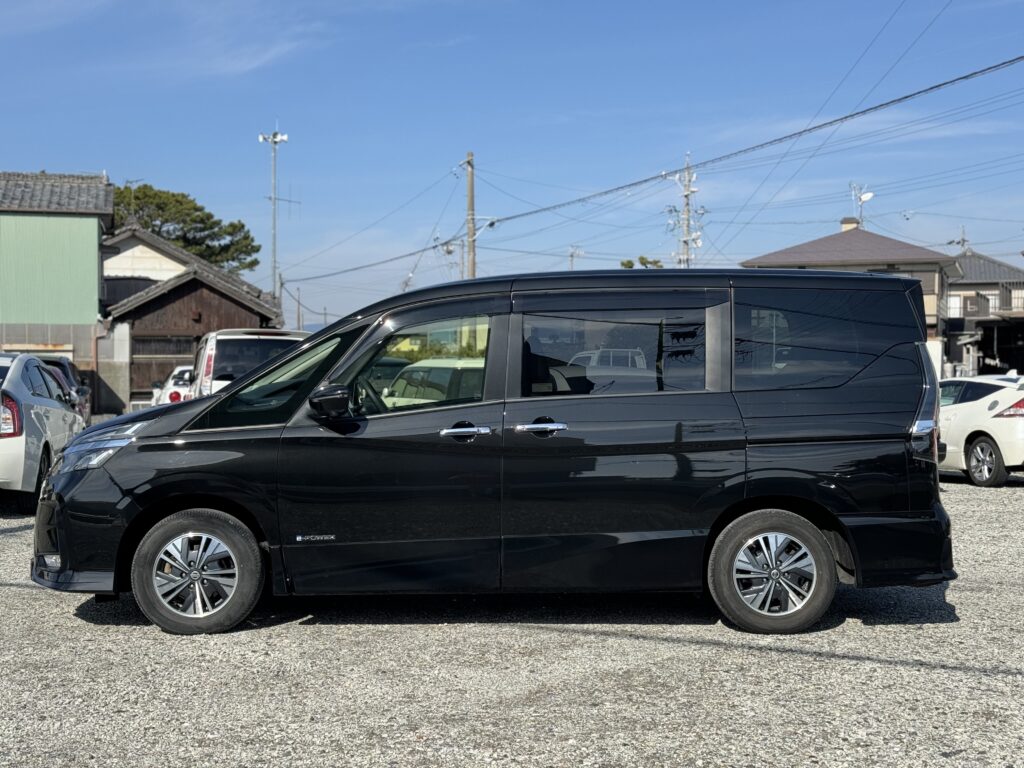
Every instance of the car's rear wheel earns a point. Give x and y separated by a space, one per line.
772 571
985 465
197 571
29 501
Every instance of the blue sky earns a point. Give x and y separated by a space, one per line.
381 101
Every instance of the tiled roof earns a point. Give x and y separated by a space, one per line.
56 193
979 268
854 246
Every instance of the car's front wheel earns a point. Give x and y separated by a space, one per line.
772 571
197 571
985 465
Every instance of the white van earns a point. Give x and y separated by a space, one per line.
224 356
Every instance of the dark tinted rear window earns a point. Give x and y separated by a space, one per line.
234 357
800 338
3 372
976 390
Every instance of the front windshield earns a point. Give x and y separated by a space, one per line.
273 397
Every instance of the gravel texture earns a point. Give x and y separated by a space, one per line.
900 676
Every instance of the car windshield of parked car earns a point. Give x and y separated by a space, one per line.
235 357
443 364
949 391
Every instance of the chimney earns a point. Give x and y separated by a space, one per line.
849 222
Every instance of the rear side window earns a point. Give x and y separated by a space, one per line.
36 383
975 390
799 338
949 391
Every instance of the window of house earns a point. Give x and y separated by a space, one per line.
614 352
954 305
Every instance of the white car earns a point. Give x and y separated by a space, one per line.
37 419
981 421
174 387
427 381
224 356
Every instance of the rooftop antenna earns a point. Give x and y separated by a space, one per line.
860 196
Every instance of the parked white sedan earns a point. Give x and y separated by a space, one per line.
981 421
37 420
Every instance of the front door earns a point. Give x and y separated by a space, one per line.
404 494
624 441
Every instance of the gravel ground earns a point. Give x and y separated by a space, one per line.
901 676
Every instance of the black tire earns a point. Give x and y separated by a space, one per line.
986 469
28 502
178 616
725 589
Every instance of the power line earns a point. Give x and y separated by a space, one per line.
814 117
836 128
664 175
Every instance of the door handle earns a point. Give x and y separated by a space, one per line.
465 431
544 426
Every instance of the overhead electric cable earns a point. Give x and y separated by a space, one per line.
664 175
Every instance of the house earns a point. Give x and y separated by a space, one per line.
986 315
161 301
51 225
854 249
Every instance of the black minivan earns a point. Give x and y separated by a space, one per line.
770 433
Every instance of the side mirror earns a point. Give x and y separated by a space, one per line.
157 385
186 376
330 401
82 391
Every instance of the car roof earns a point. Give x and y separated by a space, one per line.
998 382
643 278
249 333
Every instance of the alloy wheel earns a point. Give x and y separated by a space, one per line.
195 574
774 573
983 461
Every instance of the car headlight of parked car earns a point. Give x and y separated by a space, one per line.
94 449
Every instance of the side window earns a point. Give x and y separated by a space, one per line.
975 390
798 338
614 352
57 390
276 395
36 383
949 391
443 365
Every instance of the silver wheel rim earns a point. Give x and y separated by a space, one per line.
983 461
774 573
195 574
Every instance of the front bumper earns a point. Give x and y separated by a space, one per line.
911 549
96 582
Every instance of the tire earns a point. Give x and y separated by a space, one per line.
28 501
985 465
773 597
182 553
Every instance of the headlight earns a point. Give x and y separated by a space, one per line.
94 449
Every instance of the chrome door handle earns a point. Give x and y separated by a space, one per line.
550 426
466 431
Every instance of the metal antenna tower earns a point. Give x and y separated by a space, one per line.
273 139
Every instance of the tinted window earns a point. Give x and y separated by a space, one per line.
802 338
613 352
53 383
36 383
975 390
273 397
949 391
3 372
233 358
442 364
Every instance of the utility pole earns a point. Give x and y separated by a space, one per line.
470 218
575 252
273 139
298 307
325 317
686 219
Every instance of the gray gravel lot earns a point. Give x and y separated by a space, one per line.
899 676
